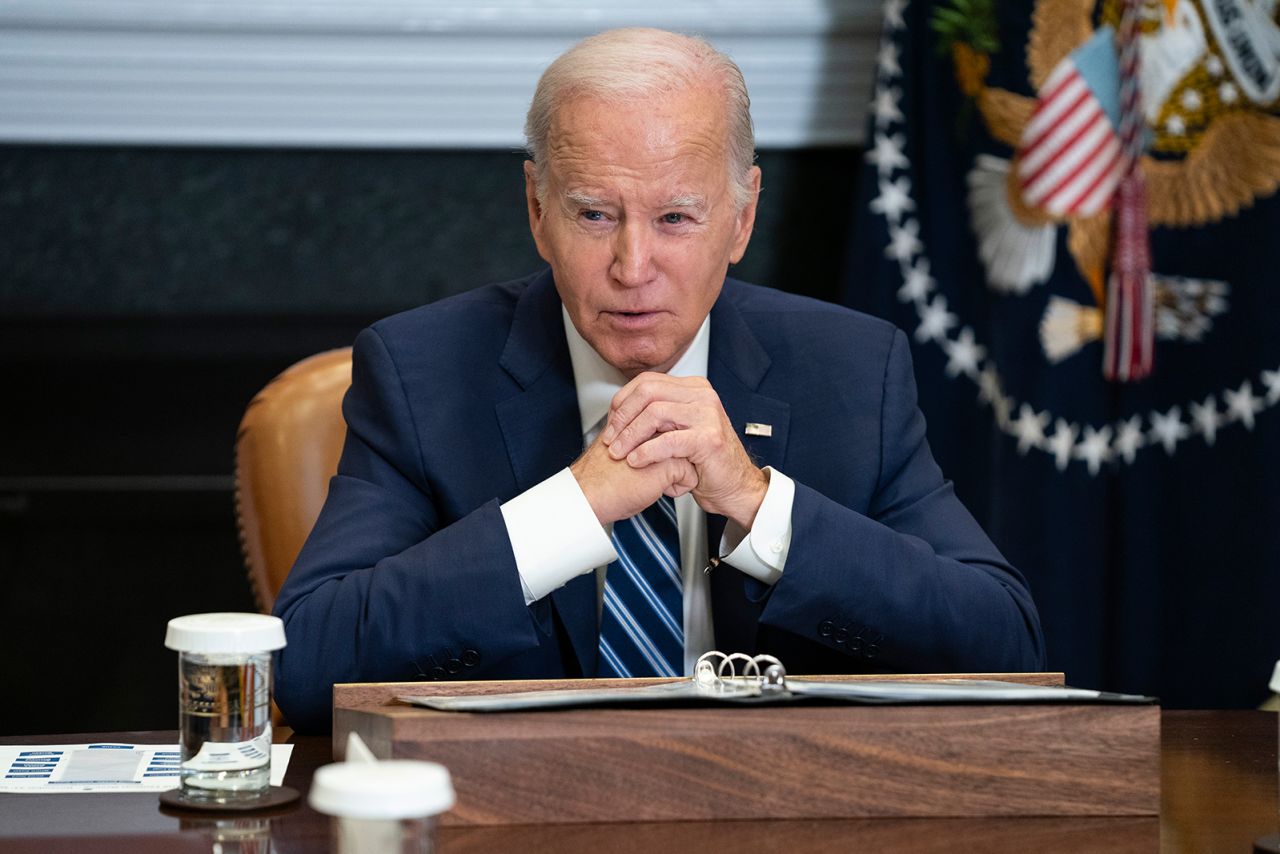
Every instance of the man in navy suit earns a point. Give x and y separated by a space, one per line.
495 438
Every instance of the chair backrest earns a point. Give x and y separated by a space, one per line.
287 449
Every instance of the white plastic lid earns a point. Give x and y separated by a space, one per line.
234 633
392 789
1275 679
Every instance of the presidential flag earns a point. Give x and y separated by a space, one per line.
1143 508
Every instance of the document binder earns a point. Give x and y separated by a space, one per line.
762 679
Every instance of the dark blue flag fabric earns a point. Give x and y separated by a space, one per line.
1146 513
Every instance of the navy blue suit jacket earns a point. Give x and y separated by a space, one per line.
460 405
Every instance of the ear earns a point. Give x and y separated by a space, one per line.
746 218
534 206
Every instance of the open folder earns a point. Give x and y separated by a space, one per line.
738 678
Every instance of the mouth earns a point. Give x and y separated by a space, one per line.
633 319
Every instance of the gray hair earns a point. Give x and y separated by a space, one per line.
634 63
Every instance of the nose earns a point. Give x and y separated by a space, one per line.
633 255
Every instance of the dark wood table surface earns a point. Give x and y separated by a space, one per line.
1218 793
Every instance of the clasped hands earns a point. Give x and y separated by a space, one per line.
669 435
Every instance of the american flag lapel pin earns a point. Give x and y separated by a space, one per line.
754 429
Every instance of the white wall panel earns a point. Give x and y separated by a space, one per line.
375 73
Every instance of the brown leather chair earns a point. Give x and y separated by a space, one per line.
287 448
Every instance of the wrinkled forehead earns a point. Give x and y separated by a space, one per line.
664 134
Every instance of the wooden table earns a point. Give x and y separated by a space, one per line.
1218 793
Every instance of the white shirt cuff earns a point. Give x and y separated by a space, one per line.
555 535
762 551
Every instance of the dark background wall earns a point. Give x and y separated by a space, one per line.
147 294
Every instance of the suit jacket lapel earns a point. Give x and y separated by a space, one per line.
736 367
543 434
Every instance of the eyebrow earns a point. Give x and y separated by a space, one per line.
582 200
690 201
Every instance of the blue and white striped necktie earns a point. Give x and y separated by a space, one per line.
642 623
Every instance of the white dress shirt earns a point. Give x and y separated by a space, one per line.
556 537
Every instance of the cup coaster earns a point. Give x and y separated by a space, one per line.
276 796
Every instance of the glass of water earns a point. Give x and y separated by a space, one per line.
224 704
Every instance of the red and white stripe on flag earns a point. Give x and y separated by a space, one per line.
1069 158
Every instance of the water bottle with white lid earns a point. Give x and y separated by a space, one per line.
224 705
386 807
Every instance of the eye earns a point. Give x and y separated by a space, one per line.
592 216
674 218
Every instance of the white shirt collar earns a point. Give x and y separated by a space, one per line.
597 381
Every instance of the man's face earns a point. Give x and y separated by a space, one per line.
639 224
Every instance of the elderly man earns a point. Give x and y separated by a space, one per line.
755 475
